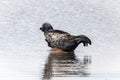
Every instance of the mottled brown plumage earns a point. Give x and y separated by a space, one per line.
63 40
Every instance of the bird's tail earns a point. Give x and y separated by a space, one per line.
83 39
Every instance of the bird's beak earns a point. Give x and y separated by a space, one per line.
40 28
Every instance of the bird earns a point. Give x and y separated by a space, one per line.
61 39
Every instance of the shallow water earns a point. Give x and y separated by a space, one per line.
66 65
24 54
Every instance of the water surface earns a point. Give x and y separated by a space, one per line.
66 65
24 54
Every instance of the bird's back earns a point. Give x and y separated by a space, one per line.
57 35
59 39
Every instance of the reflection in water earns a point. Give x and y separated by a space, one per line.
63 65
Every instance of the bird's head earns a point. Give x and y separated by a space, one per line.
46 27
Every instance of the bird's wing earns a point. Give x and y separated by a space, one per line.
58 35
57 38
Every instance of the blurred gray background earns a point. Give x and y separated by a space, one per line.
23 50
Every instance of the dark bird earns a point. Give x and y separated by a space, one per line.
63 40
